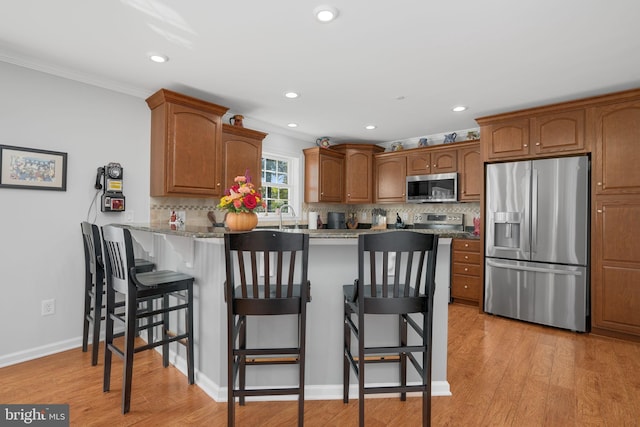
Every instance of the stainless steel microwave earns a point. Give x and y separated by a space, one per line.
442 187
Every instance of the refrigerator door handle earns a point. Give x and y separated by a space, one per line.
492 263
534 210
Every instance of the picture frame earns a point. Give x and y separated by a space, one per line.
32 169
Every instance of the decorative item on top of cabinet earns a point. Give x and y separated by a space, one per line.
358 171
236 120
323 175
466 283
241 151
186 150
390 175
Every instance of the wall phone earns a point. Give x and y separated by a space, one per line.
109 179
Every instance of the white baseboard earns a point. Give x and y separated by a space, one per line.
213 390
38 352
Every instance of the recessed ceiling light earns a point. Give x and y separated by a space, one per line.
370 127
155 57
459 108
293 125
325 14
291 95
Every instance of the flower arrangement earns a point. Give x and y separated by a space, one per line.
242 196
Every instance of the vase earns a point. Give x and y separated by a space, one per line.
241 221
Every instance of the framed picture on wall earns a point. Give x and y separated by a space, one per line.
32 169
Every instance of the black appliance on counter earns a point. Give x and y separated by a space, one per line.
336 220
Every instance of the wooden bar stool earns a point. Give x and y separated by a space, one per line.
396 277
259 291
170 292
94 286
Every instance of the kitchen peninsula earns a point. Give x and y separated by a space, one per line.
199 251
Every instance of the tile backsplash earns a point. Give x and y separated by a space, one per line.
196 210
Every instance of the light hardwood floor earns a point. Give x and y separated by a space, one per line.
502 373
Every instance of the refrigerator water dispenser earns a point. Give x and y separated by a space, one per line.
507 229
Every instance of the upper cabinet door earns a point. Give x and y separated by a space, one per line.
470 174
558 132
419 162
193 152
390 171
506 139
323 175
248 142
617 156
444 161
186 151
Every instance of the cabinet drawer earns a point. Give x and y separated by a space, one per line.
466 245
468 269
465 287
466 257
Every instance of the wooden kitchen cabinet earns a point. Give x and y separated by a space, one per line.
358 171
617 143
324 175
506 139
390 175
418 161
470 173
186 149
615 248
241 152
537 134
558 133
466 277
425 161
616 269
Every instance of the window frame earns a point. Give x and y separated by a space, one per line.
294 186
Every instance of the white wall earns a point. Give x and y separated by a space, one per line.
41 255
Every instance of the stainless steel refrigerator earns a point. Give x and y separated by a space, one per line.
537 234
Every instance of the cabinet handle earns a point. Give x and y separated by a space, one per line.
466 245
599 211
466 287
599 183
466 257
218 185
537 143
466 269
525 145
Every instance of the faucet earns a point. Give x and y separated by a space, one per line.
293 214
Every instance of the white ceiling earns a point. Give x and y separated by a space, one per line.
401 65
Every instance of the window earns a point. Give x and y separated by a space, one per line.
278 181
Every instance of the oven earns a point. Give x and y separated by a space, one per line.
452 222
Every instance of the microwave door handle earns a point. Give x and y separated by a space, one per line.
534 210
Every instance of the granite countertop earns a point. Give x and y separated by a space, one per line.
203 232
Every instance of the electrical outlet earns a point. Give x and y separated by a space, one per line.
182 216
405 216
363 216
128 216
48 307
